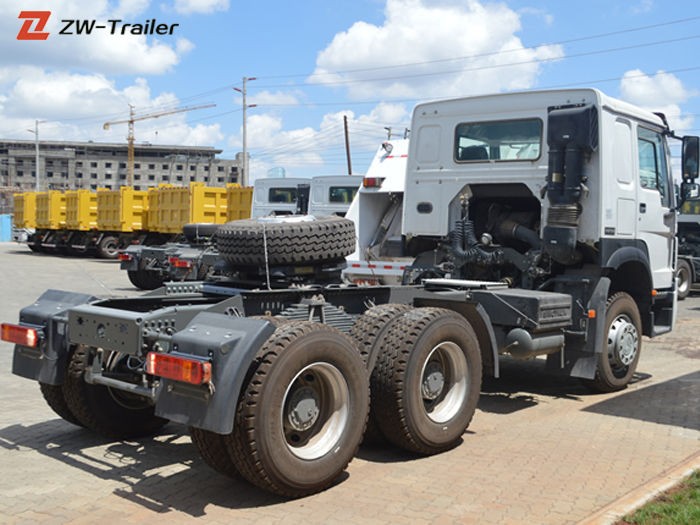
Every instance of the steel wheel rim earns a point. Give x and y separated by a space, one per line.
683 281
444 382
315 411
623 342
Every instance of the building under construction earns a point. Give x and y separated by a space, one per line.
92 165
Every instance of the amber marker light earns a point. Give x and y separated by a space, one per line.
20 335
178 368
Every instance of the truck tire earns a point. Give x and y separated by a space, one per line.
108 248
107 412
212 449
53 395
289 241
145 279
369 327
427 380
618 361
366 332
684 274
302 414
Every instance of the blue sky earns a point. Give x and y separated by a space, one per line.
316 62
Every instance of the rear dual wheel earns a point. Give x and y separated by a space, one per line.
302 414
106 411
427 380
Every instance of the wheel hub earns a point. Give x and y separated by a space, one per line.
433 381
622 341
303 409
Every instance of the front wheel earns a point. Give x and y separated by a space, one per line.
301 417
623 331
684 274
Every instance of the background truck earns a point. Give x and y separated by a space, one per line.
688 247
376 211
195 255
535 231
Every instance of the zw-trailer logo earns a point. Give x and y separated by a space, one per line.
38 20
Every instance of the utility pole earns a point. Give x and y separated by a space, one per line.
243 179
347 143
36 153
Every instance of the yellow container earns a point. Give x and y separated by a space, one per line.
178 206
154 197
50 210
24 215
122 210
239 202
81 210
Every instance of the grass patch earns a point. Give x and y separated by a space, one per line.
677 506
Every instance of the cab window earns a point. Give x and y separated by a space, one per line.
653 166
342 194
283 195
503 140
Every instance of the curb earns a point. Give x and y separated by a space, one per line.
644 493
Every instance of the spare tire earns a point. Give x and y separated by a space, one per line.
293 239
199 230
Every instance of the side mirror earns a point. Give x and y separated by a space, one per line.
691 153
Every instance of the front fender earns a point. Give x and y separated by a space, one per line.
230 343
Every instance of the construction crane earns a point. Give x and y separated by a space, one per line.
130 137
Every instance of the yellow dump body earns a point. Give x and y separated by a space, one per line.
178 206
239 202
81 210
24 215
122 210
154 199
50 210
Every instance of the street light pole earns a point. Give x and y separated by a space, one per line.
243 179
36 153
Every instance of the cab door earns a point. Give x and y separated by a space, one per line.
656 217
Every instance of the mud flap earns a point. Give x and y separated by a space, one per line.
230 343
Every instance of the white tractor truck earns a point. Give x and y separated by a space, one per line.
532 228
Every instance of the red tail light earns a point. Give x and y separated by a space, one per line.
372 182
124 257
178 368
179 263
20 335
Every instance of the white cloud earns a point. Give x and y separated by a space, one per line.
187 7
272 99
75 107
642 7
547 17
430 35
662 92
304 151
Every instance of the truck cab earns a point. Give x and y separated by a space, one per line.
333 194
535 186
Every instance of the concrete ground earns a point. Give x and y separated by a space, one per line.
539 450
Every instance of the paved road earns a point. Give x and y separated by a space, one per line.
540 449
